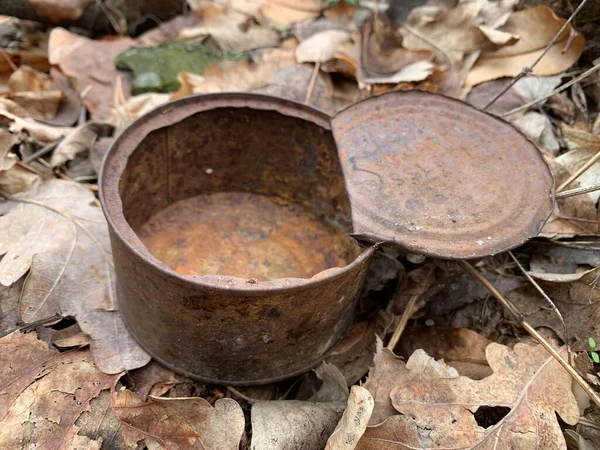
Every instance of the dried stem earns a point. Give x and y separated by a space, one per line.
555 91
548 299
408 311
579 172
579 191
312 82
532 331
529 70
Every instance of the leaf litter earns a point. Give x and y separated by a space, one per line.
466 375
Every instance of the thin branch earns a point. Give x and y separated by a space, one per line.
529 70
579 191
408 312
43 151
532 331
312 82
555 91
548 299
579 172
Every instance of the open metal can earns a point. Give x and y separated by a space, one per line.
231 218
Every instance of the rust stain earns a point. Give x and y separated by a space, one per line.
245 235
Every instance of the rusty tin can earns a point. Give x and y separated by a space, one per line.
230 218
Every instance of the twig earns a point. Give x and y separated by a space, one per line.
579 191
43 151
29 168
548 299
8 60
416 34
529 70
408 311
555 91
312 82
579 172
532 331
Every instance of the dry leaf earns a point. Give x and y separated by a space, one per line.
536 27
231 34
576 296
413 72
321 47
528 385
286 12
390 370
38 131
26 79
7 158
461 348
17 179
292 83
9 308
241 76
91 63
538 128
69 337
39 105
291 424
153 379
56 234
354 421
80 140
535 88
60 10
455 34
43 393
181 423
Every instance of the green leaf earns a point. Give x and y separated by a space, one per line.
595 357
592 343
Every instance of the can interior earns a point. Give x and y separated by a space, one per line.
241 192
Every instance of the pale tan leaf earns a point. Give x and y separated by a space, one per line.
290 424
43 393
38 131
60 10
181 423
7 158
536 26
538 128
230 34
455 33
69 337
575 159
440 413
413 72
56 234
286 12
17 179
26 79
91 63
321 47
79 141
41 105
354 421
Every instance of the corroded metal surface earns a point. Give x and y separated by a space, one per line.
245 235
438 177
224 328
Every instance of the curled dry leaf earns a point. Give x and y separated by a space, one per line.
538 128
18 179
26 79
60 10
291 424
80 140
286 12
390 371
43 393
461 348
153 379
181 423
7 158
91 63
43 105
455 34
321 47
56 234
354 421
70 337
40 132
528 385
536 27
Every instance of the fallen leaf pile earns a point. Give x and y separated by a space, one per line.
464 374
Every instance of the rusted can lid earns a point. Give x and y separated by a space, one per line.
438 177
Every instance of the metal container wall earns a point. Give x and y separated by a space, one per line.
222 328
